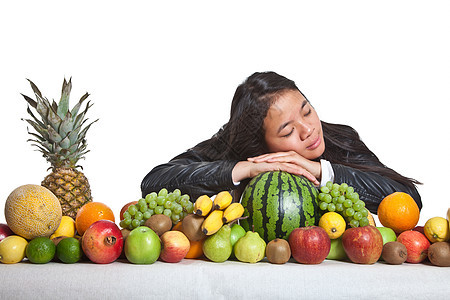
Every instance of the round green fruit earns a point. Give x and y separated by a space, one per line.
277 202
142 246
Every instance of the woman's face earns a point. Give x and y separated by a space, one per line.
292 124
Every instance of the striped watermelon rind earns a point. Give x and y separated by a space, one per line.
275 203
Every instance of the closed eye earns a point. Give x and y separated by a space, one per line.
304 104
287 135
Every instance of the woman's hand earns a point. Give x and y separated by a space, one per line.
289 162
291 157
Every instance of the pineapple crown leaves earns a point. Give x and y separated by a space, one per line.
60 135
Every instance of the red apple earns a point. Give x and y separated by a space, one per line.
102 242
175 246
363 245
310 244
125 207
5 231
416 244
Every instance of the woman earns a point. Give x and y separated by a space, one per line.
272 127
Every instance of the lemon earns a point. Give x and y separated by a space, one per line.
69 250
40 250
333 223
65 228
437 230
12 249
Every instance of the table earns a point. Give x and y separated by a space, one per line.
202 279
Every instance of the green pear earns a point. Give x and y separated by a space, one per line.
250 248
217 247
237 231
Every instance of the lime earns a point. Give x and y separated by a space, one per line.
40 250
69 250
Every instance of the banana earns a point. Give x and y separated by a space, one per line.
213 222
234 211
203 205
222 200
448 218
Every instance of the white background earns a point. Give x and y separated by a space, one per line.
162 76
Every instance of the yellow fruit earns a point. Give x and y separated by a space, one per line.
213 222
65 228
371 219
234 211
222 200
203 206
32 211
333 223
12 249
436 230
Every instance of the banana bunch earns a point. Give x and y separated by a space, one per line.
217 212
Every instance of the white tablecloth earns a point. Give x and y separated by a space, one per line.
200 279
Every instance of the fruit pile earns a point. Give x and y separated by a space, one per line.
212 231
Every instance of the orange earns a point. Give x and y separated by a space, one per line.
90 213
195 251
177 227
399 212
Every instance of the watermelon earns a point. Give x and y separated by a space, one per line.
277 202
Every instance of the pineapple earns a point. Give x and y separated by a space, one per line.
61 138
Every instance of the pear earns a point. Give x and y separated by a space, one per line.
217 247
250 248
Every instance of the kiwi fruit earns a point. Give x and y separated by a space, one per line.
125 233
394 253
58 239
159 223
439 254
278 251
192 227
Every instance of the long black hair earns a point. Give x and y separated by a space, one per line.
243 135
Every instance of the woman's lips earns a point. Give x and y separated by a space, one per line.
315 144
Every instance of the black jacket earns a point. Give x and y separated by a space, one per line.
195 176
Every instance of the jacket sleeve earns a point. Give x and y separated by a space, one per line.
372 187
192 175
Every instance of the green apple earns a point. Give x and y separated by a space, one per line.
142 246
337 251
388 234
237 231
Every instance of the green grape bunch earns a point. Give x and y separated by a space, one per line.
343 199
173 204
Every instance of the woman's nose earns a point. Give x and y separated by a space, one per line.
304 129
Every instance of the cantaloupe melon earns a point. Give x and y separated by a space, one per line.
32 211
